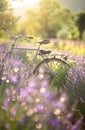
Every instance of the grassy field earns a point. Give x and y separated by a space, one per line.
39 102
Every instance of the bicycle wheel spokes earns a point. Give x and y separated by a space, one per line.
51 66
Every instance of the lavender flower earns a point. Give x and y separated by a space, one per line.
6 103
32 102
13 78
75 80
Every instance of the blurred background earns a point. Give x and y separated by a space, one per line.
24 102
62 19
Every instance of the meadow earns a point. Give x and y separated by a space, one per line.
42 101
39 103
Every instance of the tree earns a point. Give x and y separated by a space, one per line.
80 21
69 29
7 20
49 12
46 19
3 5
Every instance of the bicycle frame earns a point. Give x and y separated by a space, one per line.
16 37
38 50
31 49
35 57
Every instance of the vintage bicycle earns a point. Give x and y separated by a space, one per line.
48 62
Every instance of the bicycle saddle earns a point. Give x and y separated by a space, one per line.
44 41
45 51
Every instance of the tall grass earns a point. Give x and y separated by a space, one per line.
38 102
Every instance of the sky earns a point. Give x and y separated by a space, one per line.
73 5
20 8
15 3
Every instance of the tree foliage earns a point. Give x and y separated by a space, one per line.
3 5
7 20
48 19
45 20
80 21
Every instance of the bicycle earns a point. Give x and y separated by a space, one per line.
49 63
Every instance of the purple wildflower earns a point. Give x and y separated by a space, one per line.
44 83
13 111
55 122
23 93
6 103
39 108
13 78
6 126
22 121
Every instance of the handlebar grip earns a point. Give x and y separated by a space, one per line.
29 37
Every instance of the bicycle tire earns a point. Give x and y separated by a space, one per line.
55 65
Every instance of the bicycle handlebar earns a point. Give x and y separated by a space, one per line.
18 36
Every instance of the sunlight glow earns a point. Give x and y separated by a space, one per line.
57 111
15 3
16 69
7 81
62 99
39 126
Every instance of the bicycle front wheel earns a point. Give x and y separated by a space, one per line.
51 66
